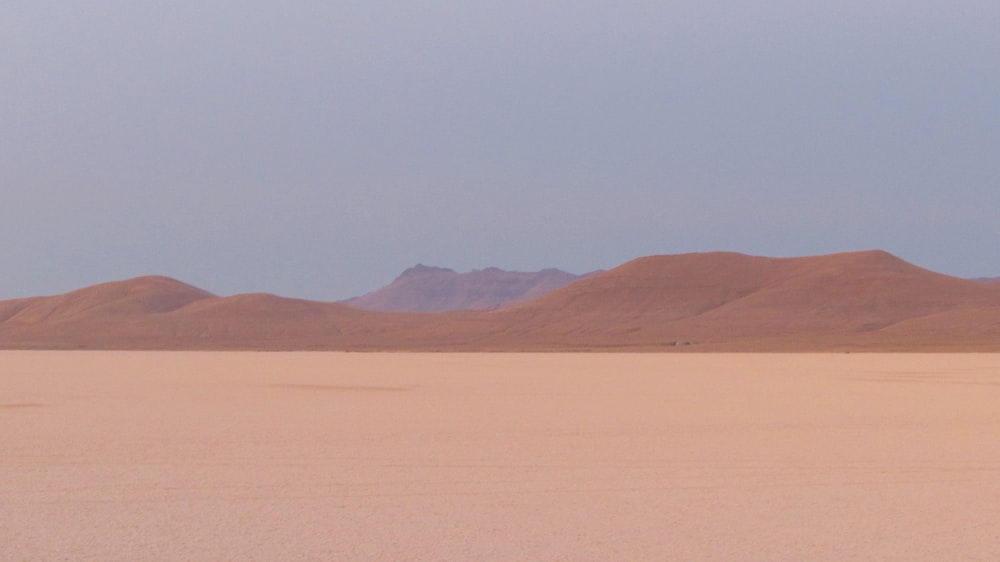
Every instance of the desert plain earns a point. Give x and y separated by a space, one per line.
134 455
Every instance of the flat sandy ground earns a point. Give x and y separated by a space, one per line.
339 456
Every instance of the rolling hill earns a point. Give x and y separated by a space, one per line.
707 301
139 296
726 298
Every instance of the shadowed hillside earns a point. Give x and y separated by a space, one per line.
712 301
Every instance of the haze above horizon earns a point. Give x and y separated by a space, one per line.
316 150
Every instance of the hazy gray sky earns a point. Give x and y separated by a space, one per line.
316 149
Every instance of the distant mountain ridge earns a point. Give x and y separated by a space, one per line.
424 288
717 301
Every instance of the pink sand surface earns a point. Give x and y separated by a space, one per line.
346 456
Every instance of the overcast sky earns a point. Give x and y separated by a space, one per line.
317 149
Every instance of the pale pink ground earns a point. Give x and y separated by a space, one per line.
332 456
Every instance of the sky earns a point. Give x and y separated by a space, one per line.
317 149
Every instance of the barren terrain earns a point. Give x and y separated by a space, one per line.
311 456
717 301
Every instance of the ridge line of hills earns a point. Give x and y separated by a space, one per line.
717 301
436 289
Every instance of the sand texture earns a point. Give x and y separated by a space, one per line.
350 456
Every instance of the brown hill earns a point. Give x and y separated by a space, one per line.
142 295
162 313
714 301
436 289
98 316
727 298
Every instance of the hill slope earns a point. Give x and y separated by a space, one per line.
142 295
727 297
